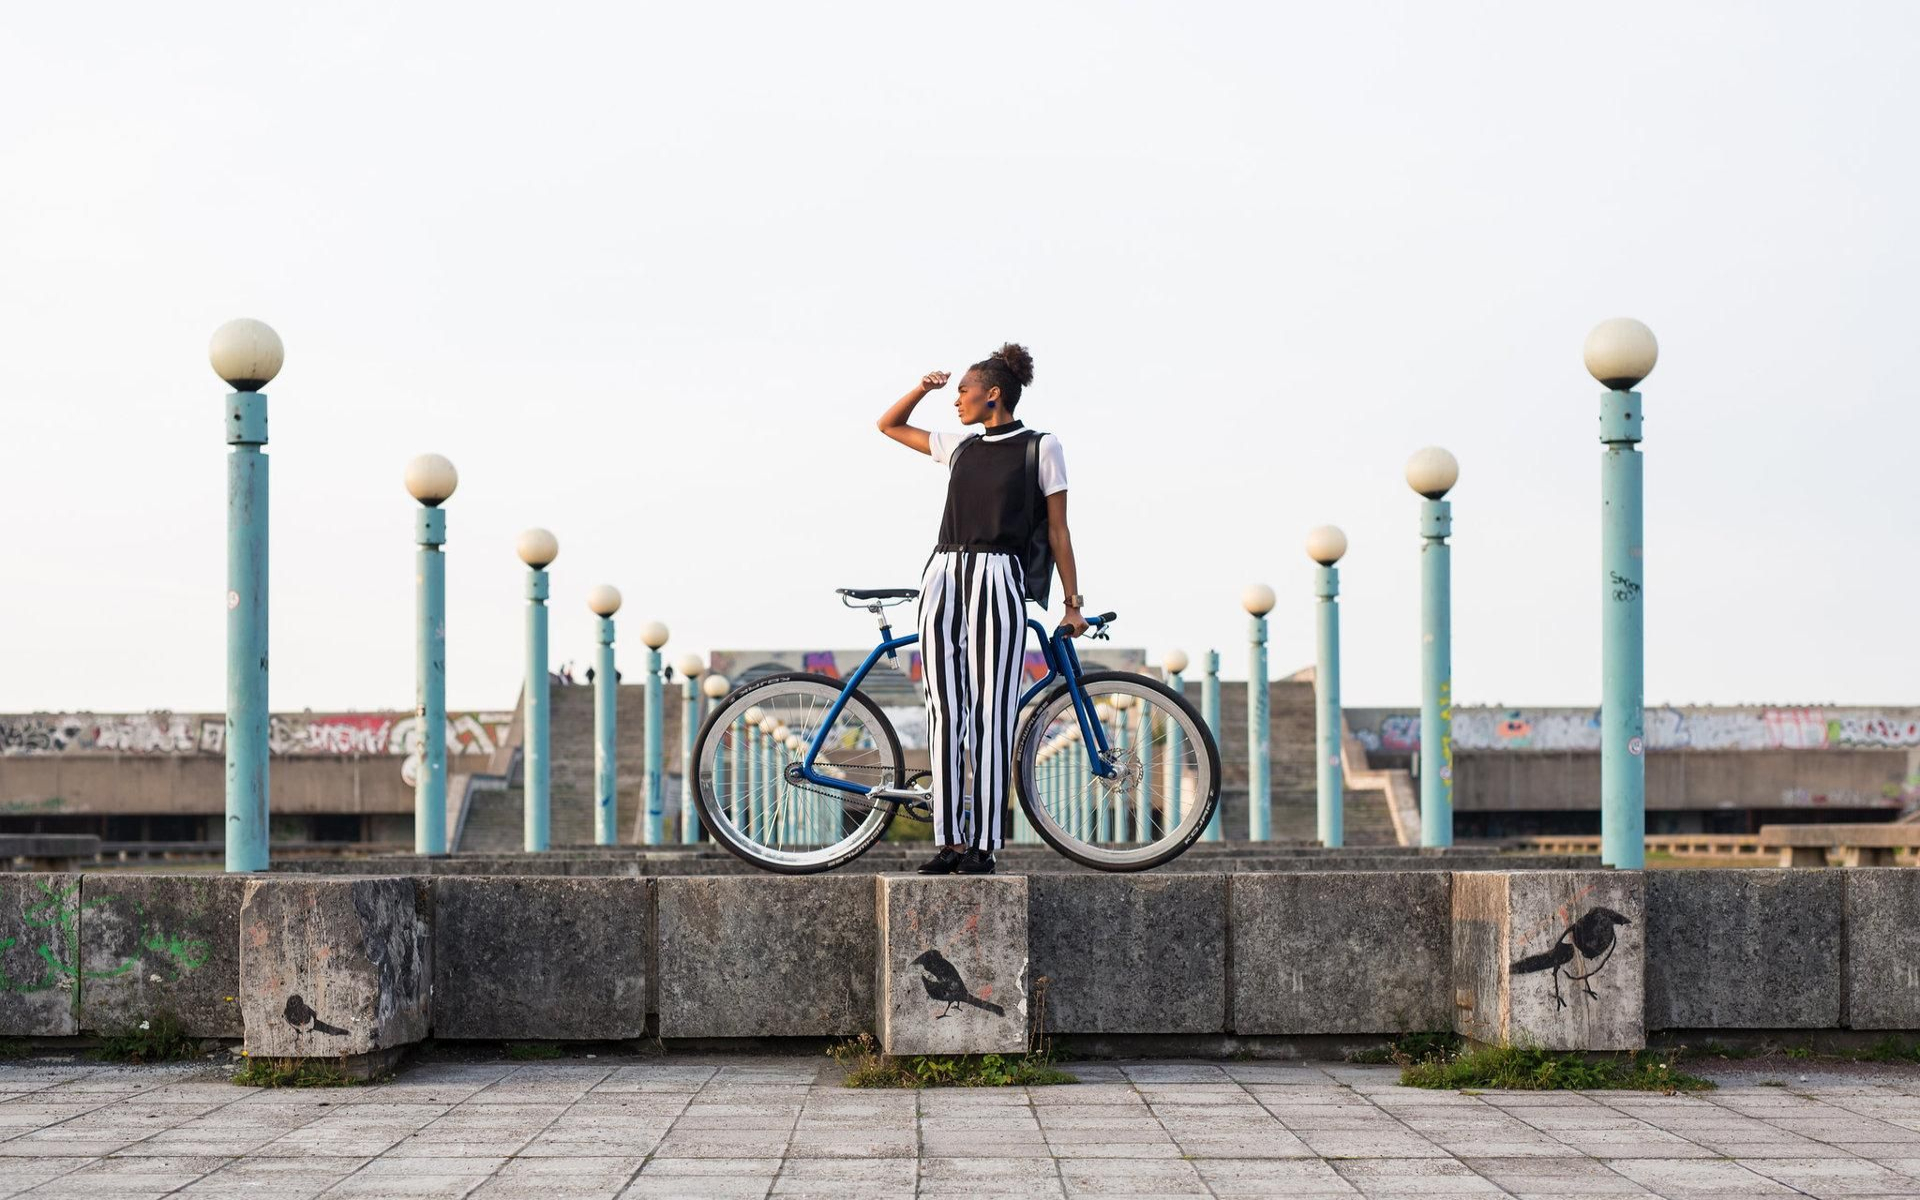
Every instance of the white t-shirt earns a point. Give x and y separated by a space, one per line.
1053 461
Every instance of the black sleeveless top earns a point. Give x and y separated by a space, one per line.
987 502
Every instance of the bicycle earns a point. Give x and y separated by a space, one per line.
800 773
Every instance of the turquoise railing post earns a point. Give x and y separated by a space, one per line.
537 548
247 354
1258 600
1173 663
692 669
1432 472
715 687
1326 545
1135 799
1143 750
1620 353
654 635
431 480
749 806
604 601
1210 713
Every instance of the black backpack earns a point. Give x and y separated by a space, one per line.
1036 562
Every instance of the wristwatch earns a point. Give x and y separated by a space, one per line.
1076 601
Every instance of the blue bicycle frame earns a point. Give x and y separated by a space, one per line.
1062 663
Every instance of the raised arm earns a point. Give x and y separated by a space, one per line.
1061 542
893 422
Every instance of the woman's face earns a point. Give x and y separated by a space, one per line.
970 401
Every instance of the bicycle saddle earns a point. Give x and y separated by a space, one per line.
879 593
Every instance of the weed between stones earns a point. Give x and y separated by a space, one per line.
529 1051
1519 1068
866 1067
297 1073
156 1039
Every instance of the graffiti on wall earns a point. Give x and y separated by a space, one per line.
1667 728
324 734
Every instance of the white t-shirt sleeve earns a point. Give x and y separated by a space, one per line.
1053 466
941 445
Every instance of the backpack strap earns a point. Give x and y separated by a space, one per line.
1033 472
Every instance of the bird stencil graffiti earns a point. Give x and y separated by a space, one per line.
1579 953
944 985
301 1016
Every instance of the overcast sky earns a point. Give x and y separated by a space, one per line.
647 273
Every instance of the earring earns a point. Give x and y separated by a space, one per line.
989 404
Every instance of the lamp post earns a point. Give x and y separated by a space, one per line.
654 634
691 667
431 480
1210 713
1140 801
247 354
1620 353
1326 545
1432 472
1173 662
603 601
743 808
1258 600
777 820
537 548
715 686
763 795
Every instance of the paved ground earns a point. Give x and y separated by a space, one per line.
781 1127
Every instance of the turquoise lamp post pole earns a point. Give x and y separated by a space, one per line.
603 600
1620 353
743 816
1173 662
692 667
1432 472
1258 600
431 480
1325 546
1210 713
715 687
537 548
247 354
654 634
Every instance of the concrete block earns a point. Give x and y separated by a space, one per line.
1553 959
39 954
1883 949
1130 953
161 944
1342 952
558 958
333 968
766 956
953 964
1744 949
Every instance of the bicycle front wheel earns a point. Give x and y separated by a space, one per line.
754 801
1164 784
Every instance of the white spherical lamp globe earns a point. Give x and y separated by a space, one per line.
780 731
1432 472
768 724
537 548
1326 544
603 599
716 685
1174 661
1257 598
246 353
754 716
690 666
653 634
430 479
794 743
1620 352
1123 702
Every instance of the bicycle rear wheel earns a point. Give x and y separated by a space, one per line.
751 797
1165 785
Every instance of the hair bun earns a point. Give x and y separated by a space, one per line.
1018 361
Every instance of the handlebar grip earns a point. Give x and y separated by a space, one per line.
1103 618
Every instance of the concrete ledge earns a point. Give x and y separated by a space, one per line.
540 958
1750 949
1341 953
161 944
769 956
1131 953
1883 948
1553 959
39 955
333 968
953 964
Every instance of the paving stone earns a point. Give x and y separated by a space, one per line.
540 957
39 954
1552 959
154 945
759 956
1341 952
1157 965
953 964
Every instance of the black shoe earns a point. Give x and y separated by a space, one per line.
944 863
976 862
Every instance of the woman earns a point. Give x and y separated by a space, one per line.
973 597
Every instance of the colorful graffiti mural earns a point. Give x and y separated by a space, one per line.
322 734
1397 731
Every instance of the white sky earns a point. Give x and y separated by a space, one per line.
647 273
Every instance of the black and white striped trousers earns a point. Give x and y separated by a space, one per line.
973 638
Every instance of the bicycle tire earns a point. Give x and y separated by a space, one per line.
722 830
1028 737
